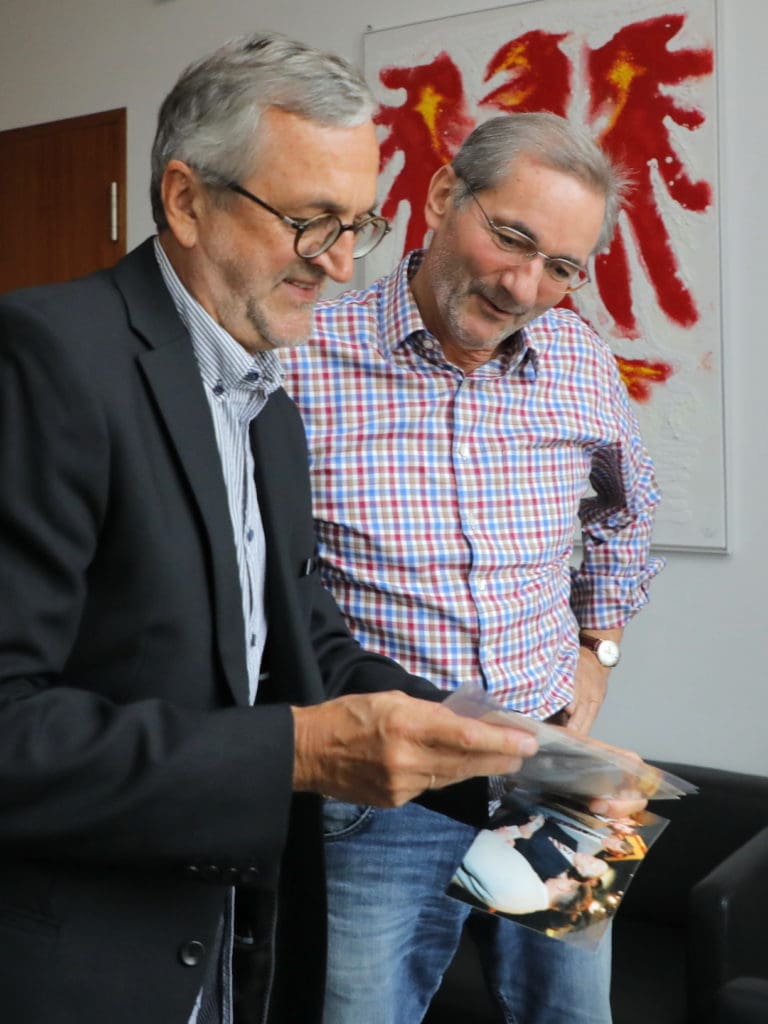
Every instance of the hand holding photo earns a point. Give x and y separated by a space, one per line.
547 860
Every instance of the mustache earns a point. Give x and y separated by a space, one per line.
305 271
500 298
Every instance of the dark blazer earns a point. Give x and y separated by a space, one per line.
136 784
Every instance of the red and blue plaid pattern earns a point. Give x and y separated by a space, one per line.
446 504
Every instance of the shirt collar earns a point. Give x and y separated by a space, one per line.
223 362
401 319
402 323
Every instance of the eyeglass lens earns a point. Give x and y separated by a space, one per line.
521 248
319 234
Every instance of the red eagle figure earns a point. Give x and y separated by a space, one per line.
627 79
428 127
538 75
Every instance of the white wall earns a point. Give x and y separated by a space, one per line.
693 683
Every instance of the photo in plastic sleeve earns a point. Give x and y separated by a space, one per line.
566 764
554 868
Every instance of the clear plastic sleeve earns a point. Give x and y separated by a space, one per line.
569 765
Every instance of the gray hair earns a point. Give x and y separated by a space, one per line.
488 154
211 116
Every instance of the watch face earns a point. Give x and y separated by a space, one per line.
607 653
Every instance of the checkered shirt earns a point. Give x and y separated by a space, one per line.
446 504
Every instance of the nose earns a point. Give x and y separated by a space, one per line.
337 262
523 281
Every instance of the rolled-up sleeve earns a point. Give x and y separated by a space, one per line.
611 583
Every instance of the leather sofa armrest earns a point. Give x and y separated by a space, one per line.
727 919
742 1001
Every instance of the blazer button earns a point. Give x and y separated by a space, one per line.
191 953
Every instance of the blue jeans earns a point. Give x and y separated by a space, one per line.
393 931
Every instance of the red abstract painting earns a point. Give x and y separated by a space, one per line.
629 111
639 78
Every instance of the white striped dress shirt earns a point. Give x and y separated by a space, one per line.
237 386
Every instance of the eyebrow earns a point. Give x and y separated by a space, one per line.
329 206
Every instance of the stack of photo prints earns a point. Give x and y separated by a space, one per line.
545 860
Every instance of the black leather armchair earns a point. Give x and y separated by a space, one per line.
691 937
742 1001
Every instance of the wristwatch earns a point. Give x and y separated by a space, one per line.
606 651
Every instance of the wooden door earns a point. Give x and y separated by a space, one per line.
62 199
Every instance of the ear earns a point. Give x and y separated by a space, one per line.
439 195
183 201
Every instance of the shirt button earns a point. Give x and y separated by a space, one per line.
253 375
191 953
218 389
462 451
249 535
481 586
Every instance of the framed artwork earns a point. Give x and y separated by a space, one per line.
640 76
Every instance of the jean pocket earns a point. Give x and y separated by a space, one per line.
341 819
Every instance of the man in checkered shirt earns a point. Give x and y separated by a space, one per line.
459 426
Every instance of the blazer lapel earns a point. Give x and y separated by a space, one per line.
280 461
172 374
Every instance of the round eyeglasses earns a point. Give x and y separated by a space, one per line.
569 276
316 235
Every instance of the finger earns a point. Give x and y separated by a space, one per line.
582 717
455 758
449 773
456 738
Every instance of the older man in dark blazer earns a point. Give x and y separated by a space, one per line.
166 650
